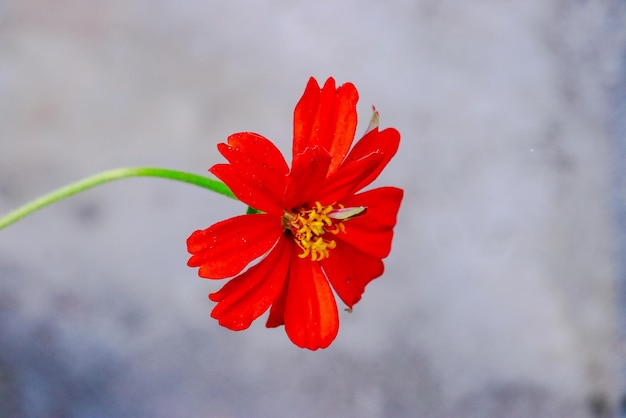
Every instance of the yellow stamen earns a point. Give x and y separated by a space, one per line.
310 229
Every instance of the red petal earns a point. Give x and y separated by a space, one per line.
375 243
307 174
326 117
249 295
346 180
385 142
259 151
311 318
349 271
255 155
276 317
382 206
257 171
277 311
224 249
251 194
372 232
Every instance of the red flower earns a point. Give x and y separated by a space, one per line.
314 230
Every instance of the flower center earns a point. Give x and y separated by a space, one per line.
313 228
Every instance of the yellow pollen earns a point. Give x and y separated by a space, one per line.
310 229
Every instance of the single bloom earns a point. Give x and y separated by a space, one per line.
315 231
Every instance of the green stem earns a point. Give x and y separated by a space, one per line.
110 175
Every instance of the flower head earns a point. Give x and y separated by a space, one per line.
315 231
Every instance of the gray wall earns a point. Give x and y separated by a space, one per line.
501 295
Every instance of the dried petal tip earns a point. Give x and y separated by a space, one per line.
345 214
373 121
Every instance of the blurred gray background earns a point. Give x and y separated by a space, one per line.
503 295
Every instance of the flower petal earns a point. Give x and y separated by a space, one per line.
256 173
308 172
372 232
259 151
326 117
224 249
385 142
349 271
311 317
251 194
345 181
254 153
276 317
247 296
